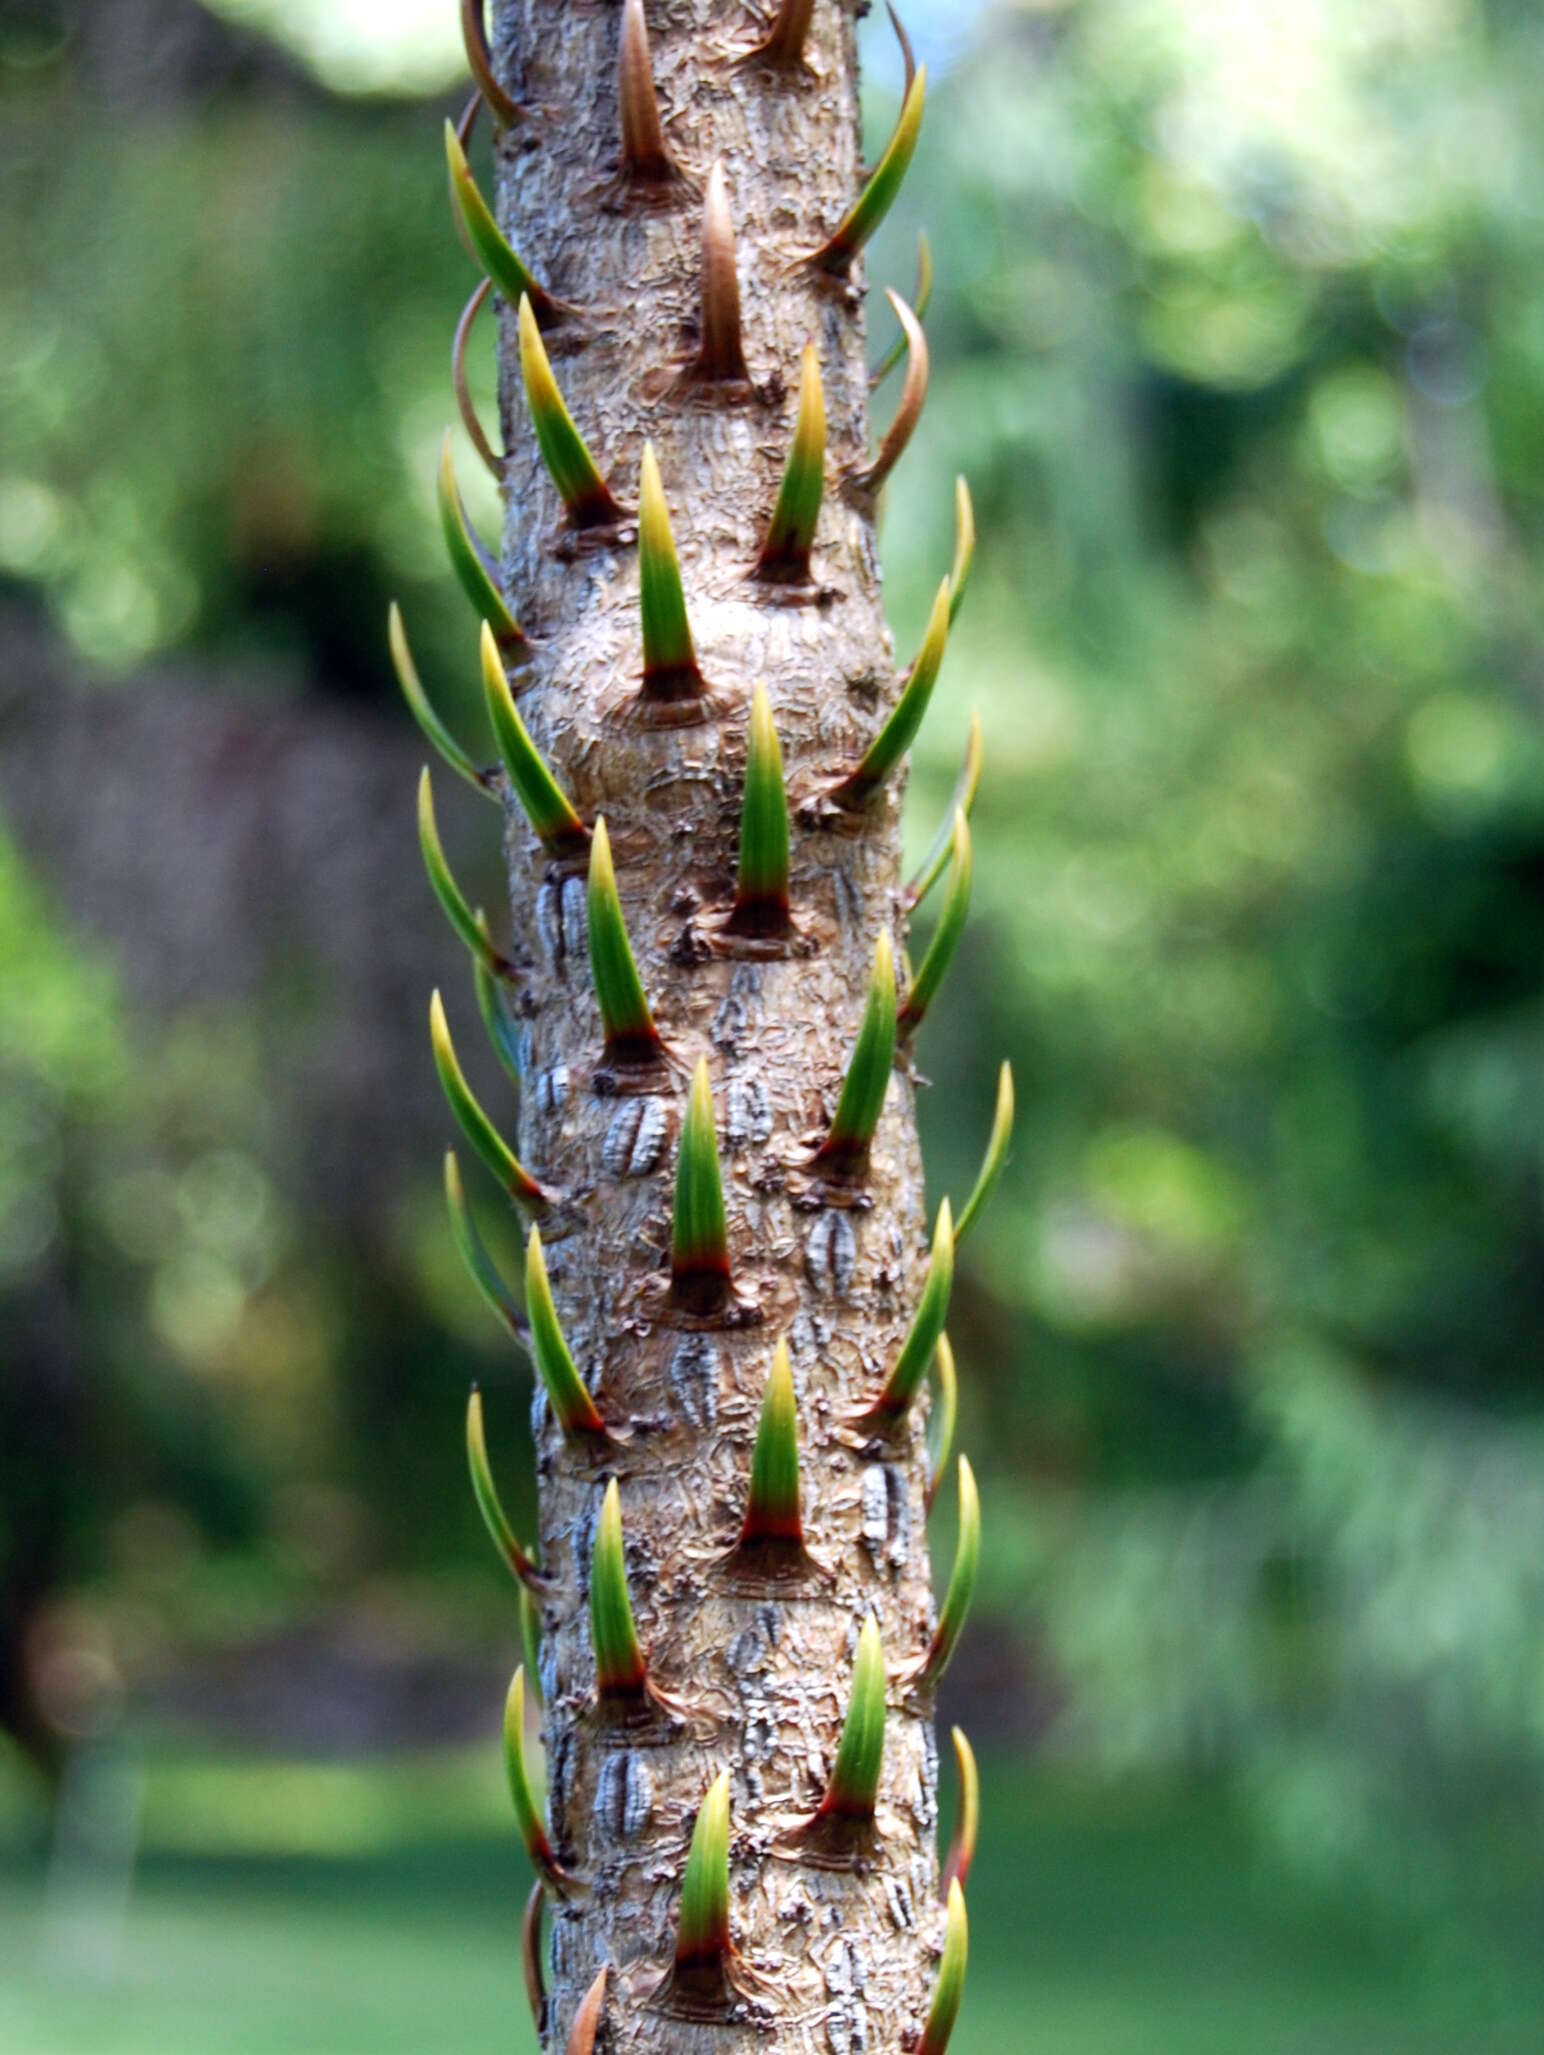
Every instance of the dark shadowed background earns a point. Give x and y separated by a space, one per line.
1239 337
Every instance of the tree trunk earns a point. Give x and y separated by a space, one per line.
837 1957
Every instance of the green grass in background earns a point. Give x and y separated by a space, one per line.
1117 1924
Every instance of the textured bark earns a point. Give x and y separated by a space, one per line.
845 1956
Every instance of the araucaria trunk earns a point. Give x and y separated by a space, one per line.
732 1294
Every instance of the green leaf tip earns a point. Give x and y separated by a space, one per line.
533 1832
913 398
631 1036
585 494
702 1932
900 730
927 1325
962 800
488 1502
773 1519
949 1986
503 1029
946 936
995 1157
620 1671
586 2026
962 1584
964 545
474 1254
572 1407
962 1848
853 1790
470 561
699 1236
785 555
547 807
434 729
761 880
530 1638
874 202
473 1121
845 1150
919 300
505 110
943 1418
670 670
509 274
448 892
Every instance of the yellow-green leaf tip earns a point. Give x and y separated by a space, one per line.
631 1036
949 1987
472 1120
702 1935
585 495
469 560
845 1150
423 713
572 1406
900 730
962 1848
474 1254
619 1664
878 195
854 1787
946 936
761 882
699 1240
486 1494
547 807
446 890
927 1324
791 533
669 661
995 1157
528 1819
962 1584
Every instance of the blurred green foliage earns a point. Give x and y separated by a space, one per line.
1239 337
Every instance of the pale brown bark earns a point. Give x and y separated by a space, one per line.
849 1955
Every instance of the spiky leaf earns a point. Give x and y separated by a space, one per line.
962 1584
899 731
547 806
423 713
533 1830
644 156
505 110
845 1149
508 272
854 1787
963 800
761 881
721 354
875 200
913 397
964 545
941 1421
786 552
586 2026
631 1036
470 561
486 1494
447 891
473 1121
702 1932
585 494
949 1987
699 1238
919 301
962 1847
772 1512
669 661
995 1157
503 1029
926 1326
473 1253
572 1406
946 936
530 1954
619 1664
